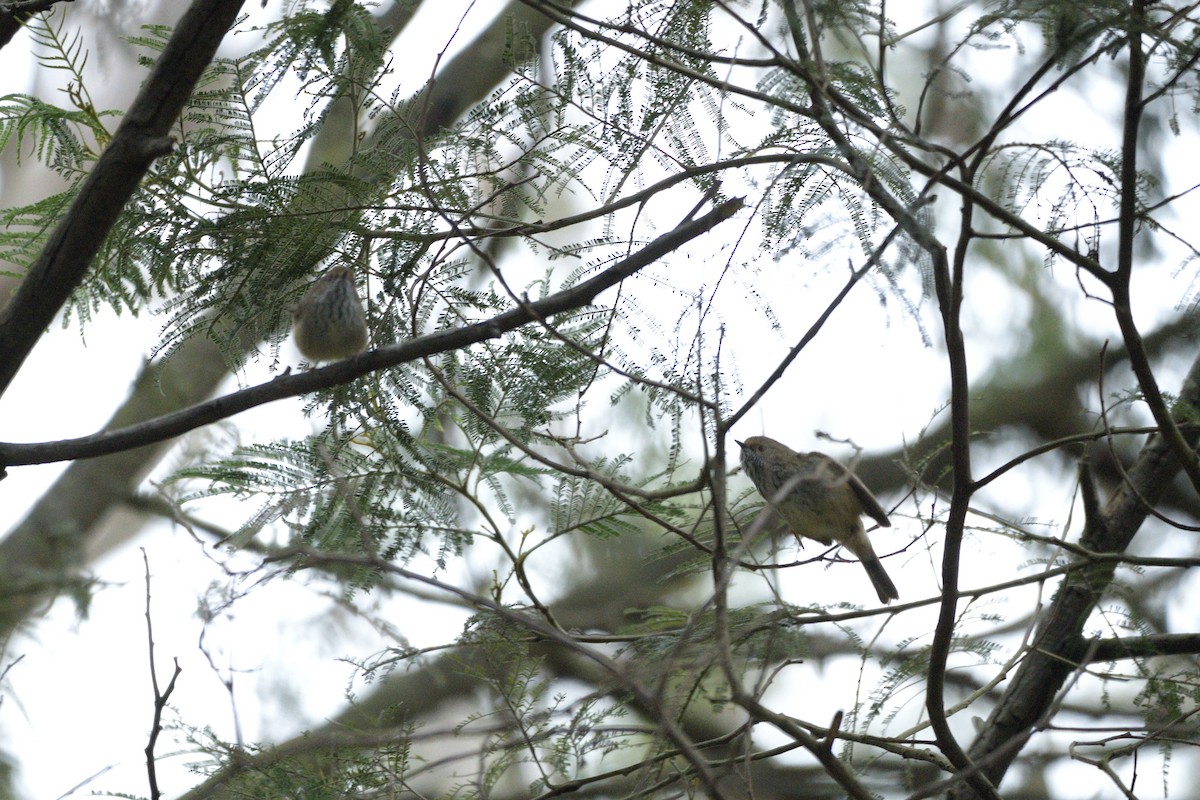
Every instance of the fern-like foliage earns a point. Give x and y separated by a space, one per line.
576 433
66 139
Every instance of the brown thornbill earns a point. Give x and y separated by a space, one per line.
329 323
818 499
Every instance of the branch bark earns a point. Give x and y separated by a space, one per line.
1059 646
172 425
141 138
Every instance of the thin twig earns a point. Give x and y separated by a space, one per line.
160 697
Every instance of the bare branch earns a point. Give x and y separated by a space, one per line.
161 696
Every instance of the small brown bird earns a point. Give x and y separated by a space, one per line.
329 323
819 499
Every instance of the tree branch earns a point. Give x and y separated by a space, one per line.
141 138
1058 645
1127 228
54 538
172 425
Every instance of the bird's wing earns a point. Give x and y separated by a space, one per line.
869 503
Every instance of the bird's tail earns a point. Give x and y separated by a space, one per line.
858 543
879 579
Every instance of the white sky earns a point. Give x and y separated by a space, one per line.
79 702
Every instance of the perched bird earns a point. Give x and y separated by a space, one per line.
329 323
819 499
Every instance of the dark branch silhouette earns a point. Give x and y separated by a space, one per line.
289 385
142 136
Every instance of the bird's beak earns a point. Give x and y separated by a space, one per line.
739 444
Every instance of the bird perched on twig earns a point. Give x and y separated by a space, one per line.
329 323
818 499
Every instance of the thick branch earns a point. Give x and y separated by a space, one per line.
14 15
141 138
21 10
1058 645
1160 644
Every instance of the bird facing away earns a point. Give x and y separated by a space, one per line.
818 499
329 323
